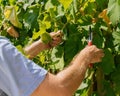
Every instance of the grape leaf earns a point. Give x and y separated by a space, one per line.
11 14
116 79
98 41
30 18
0 14
116 36
12 2
108 89
57 57
114 11
46 38
101 2
107 62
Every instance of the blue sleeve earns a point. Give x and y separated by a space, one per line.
19 76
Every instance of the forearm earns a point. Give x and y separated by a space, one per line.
35 48
66 82
72 76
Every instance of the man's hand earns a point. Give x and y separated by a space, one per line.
92 54
56 38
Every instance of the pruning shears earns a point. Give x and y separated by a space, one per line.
90 41
90 36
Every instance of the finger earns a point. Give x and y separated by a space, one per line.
100 52
54 43
56 34
96 60
57 39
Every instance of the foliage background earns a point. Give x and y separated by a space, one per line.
31 18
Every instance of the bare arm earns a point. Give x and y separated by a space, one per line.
66 82
38 46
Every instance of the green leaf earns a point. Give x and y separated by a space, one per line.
108 89
118 2
114 11
116 36
0 14
12 2
30 18
20 48
57 57
46 38
60 11
116 79
107 62
75 5
98 41
65 3
73 9
101 2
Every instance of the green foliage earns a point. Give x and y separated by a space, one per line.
33 18
30 17
108 62
113 11
46 38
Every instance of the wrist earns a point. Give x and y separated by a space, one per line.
82 59
46 46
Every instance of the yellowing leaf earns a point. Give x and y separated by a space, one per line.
42 28
7 13
42 58
91 1
35 35
20 48
65 3
10 14
48 24
103 15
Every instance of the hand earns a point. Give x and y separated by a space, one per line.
56 38
92 54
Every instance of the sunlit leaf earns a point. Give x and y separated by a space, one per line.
20 48
35 35
114 11
65 3
12 2
10 14
49 5
60 11
116 36
58 57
